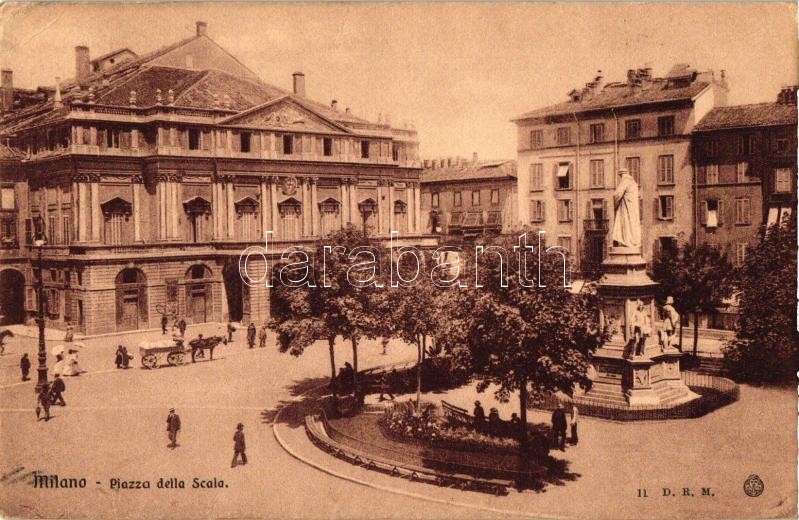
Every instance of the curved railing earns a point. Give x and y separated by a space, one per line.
714 391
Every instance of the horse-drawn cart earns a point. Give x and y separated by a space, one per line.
153 353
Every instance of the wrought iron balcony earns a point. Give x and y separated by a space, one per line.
596 225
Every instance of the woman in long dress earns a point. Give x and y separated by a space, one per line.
71 366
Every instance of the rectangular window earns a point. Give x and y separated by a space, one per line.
246 141
740 145
7 198
743 211
476 198
564 210
740 172
364 149
434 200
711 148
781 143
740 253
494 197
395 152
712 174
327 146
666 207
66 230
596 133
536 139
563 176
288 144
171 292
751 144
458 199
564 136
114 137
634 167
565 242
665 125
28 232
782 180
597 173
536 177
666 169
194 139
712 217
632 129
536 210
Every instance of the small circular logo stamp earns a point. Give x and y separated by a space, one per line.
753 486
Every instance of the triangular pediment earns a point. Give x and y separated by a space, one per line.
284 114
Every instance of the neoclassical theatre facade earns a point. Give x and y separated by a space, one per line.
149 175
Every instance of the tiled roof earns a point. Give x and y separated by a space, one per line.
469 171
147 81
758 114
617 95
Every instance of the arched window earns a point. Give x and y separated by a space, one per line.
116 213
131 299
290 213
198 212
330 209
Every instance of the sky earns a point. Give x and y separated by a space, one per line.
459 72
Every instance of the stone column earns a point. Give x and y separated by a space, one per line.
409 206
343 203
173 210
95 195
417 208
379 207
136 181
215 208
75 202
391 225
314 208
273 201
83 206
304 215
264 208
230 208
355 217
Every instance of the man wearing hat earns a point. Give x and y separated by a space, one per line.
479 417
56 391
671 321
173 427
559 428
238 446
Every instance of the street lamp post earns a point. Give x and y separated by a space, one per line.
39 242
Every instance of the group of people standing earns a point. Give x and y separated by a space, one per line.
559 426
251 333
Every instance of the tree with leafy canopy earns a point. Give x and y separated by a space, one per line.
330 305
766 346
698 277
532 340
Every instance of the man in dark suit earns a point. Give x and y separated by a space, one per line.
173 427
25 366
238 446
251 335
479 417
56 390
559 428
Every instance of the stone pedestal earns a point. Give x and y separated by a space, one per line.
627 373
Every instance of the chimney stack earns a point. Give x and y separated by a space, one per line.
474 157
787 95
7 90
57 102
334 104
82 64
299 84
201 28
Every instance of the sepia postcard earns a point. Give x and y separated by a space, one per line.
398 260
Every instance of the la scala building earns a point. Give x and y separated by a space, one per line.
148 175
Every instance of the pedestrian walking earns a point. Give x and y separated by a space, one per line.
251 335
573 423
479 417
25 366
262 336
43 403
164 323
238 446
384 342
386 385
494 423
230 330
126 358
56 390
559 428
173 427
182 327
69 333
119 358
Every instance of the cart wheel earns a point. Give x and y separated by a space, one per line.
200 354
149 361
175 358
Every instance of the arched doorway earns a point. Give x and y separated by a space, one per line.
237 293
131 299
198 293
12 297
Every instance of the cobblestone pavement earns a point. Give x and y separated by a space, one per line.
114 428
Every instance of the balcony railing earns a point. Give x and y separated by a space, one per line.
595 224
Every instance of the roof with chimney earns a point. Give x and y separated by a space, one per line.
682 83
742 116
463 170
225 84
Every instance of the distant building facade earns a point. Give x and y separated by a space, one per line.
569 155
150 174
745 160
463 198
